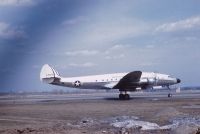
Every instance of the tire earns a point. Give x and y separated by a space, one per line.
126 96
121 96
169 95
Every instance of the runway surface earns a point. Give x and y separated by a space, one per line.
37 97
148 112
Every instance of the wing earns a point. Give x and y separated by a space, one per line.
129 81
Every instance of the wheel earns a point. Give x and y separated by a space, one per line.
169 95
126 96
121 96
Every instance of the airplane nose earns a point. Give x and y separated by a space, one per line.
178 80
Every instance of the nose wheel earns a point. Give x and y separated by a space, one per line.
169 95
124 96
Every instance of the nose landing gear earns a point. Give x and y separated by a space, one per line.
169 95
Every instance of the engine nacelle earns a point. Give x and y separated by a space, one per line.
151 81
147 81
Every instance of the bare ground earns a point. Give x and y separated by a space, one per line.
95 116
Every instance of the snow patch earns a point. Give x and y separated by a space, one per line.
145 125
193 121
137 124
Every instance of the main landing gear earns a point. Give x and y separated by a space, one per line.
124 96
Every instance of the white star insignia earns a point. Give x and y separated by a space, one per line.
77 83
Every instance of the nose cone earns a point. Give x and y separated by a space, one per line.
178 80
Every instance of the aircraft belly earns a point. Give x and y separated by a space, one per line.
94 85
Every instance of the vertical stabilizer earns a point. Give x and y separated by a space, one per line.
48 74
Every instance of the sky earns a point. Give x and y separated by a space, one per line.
85 37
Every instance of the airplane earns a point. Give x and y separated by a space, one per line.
124 82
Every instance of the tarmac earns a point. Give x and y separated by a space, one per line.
100 112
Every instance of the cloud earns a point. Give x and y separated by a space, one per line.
102 31
16 2
81 53
8 32
115 57
106 32
87 64
116 48
150 46
144 64
186 24
74 21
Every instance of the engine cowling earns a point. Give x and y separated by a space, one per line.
151 81
147 81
